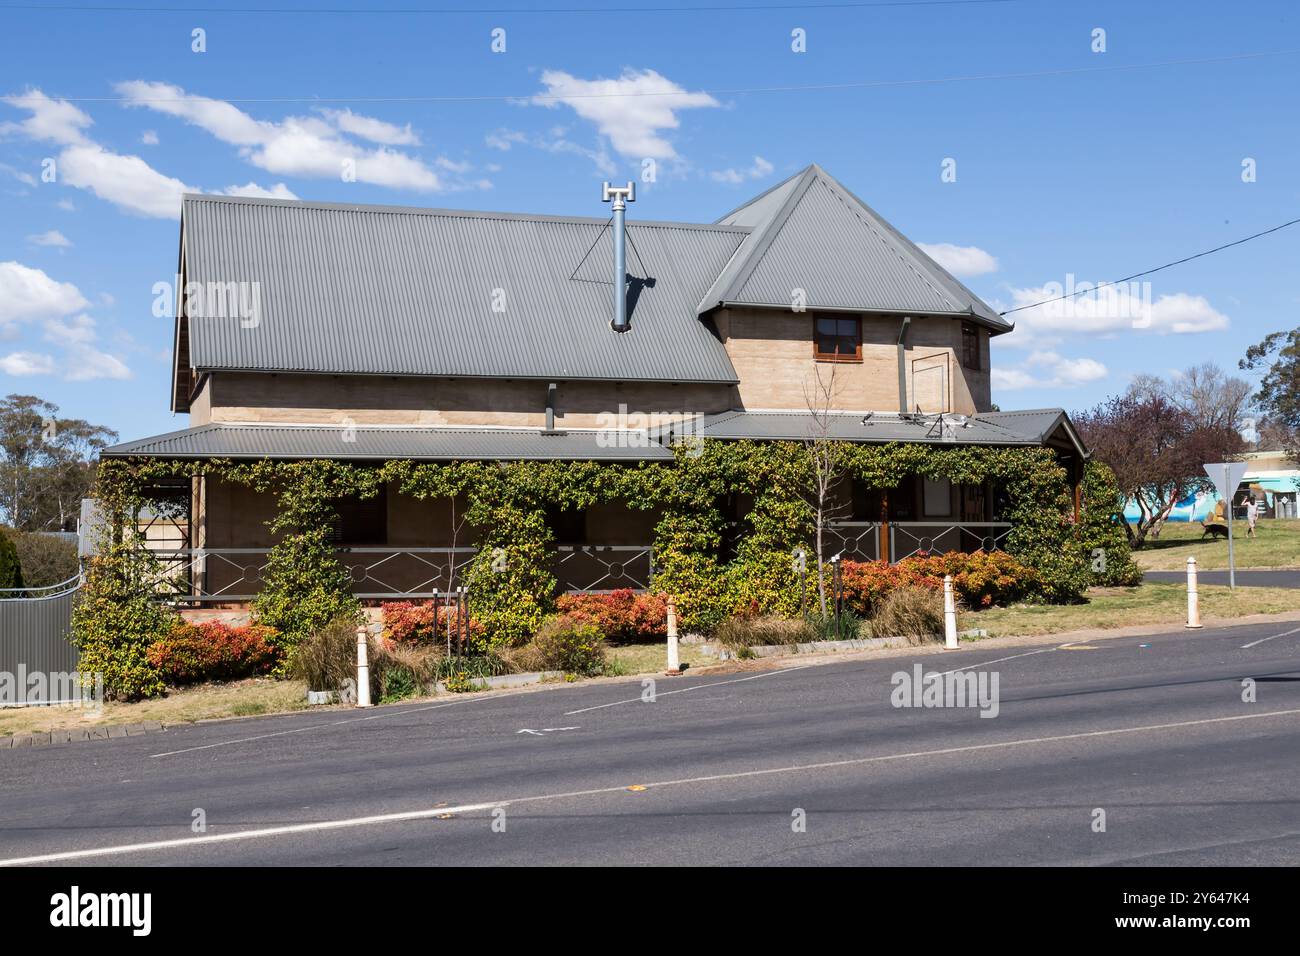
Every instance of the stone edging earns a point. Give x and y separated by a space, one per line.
105 732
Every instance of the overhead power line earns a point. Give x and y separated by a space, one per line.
721 91
667 8
1138 275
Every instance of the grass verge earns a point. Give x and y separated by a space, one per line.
652 658
1152 603
245 698
1276 545
248 698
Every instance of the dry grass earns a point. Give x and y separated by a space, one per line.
1153 603
763 631
243 698
653 658
912 612
1276 545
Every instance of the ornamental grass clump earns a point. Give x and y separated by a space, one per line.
915 613
763 631
328 657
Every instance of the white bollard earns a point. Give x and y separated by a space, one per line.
949 615
363 668
674 664
1193 599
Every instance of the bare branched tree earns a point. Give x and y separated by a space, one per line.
826 460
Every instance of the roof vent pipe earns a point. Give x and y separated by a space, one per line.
902 366
620 196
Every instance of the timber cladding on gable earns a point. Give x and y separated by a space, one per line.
269 398
772 353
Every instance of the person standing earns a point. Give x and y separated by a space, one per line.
1252 513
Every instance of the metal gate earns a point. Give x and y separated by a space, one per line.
35 629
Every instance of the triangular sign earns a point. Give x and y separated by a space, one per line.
1226 476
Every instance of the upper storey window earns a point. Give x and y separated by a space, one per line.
837 338
970 347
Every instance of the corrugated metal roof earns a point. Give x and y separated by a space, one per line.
435 444
989 428
408 291
811 233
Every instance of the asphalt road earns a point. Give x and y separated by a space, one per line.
1250 578
1151 730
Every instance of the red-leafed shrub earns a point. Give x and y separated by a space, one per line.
981 579
621 616
424 622
213 651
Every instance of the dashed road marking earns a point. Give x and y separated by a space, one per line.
447 812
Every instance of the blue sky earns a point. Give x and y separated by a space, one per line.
1096 172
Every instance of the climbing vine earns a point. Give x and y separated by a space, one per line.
733 518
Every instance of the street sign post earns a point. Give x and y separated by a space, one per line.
1226 476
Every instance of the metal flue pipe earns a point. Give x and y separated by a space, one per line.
620 196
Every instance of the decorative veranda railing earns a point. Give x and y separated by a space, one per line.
908 538
234 575
861 540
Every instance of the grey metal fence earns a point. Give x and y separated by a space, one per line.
36 627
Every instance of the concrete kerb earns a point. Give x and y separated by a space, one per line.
106 732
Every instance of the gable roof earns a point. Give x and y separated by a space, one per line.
395 290
408 291
811 233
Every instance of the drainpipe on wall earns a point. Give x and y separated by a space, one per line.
902 366
550 407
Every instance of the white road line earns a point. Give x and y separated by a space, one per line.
681 781
333 723
1294 630
999 660
637 700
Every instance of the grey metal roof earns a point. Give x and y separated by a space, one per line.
811 233
989 428
435 444
409 291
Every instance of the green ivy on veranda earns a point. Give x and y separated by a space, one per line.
510 579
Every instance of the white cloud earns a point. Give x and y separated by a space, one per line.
82 360
1054 371
757 170
66 205
51 237
80 329
84 363
26 178
27 293
149 138
125 181
1181 313
26 363
52 121
504 139
630 111
375 130
962 261
555 141
1106 312
297 145
278 191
